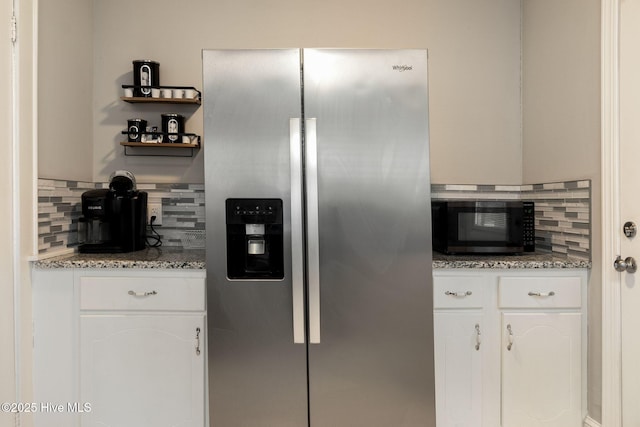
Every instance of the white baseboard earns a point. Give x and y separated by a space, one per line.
590 422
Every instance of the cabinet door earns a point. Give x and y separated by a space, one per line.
458 366
142 370
541 370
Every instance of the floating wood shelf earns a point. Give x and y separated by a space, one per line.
159 144
150 100
163 149
147 100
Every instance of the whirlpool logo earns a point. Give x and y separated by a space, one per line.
402 68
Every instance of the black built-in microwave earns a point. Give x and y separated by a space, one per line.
483 226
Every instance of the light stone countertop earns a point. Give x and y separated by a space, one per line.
527 261
160 258
172 258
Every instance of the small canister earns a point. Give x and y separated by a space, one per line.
135 129
172 125
145 73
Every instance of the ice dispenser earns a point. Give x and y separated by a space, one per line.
254 239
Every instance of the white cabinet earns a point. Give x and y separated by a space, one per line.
134 346
458 358
139 366
141 370
542 359
55 344
459 331
541 370
510 347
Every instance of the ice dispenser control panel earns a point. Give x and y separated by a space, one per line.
254 239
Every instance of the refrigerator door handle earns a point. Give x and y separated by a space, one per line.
313 242
297 247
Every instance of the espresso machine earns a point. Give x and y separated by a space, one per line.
113 219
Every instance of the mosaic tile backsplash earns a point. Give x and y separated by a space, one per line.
58 211
59 207
563 212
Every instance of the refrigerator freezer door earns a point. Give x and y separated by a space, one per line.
373 366
257 375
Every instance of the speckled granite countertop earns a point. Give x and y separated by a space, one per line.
535 260
146 258
169 258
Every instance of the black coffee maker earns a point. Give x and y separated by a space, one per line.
113 219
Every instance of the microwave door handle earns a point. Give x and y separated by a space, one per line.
313 243
297 245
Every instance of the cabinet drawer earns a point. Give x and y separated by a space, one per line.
539 292
142 293
457 292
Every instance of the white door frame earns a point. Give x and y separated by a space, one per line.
8 378
610 165
22 188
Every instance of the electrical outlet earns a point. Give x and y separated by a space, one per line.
154 209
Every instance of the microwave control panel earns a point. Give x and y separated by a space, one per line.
528 227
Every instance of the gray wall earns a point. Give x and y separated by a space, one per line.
65 89
474 73
561 126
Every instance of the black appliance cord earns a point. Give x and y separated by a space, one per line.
155 237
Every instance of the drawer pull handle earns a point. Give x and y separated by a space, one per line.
478 337
142 294
458 294
541 294
198 341
510 337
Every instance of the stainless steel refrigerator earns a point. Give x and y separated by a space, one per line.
319 287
